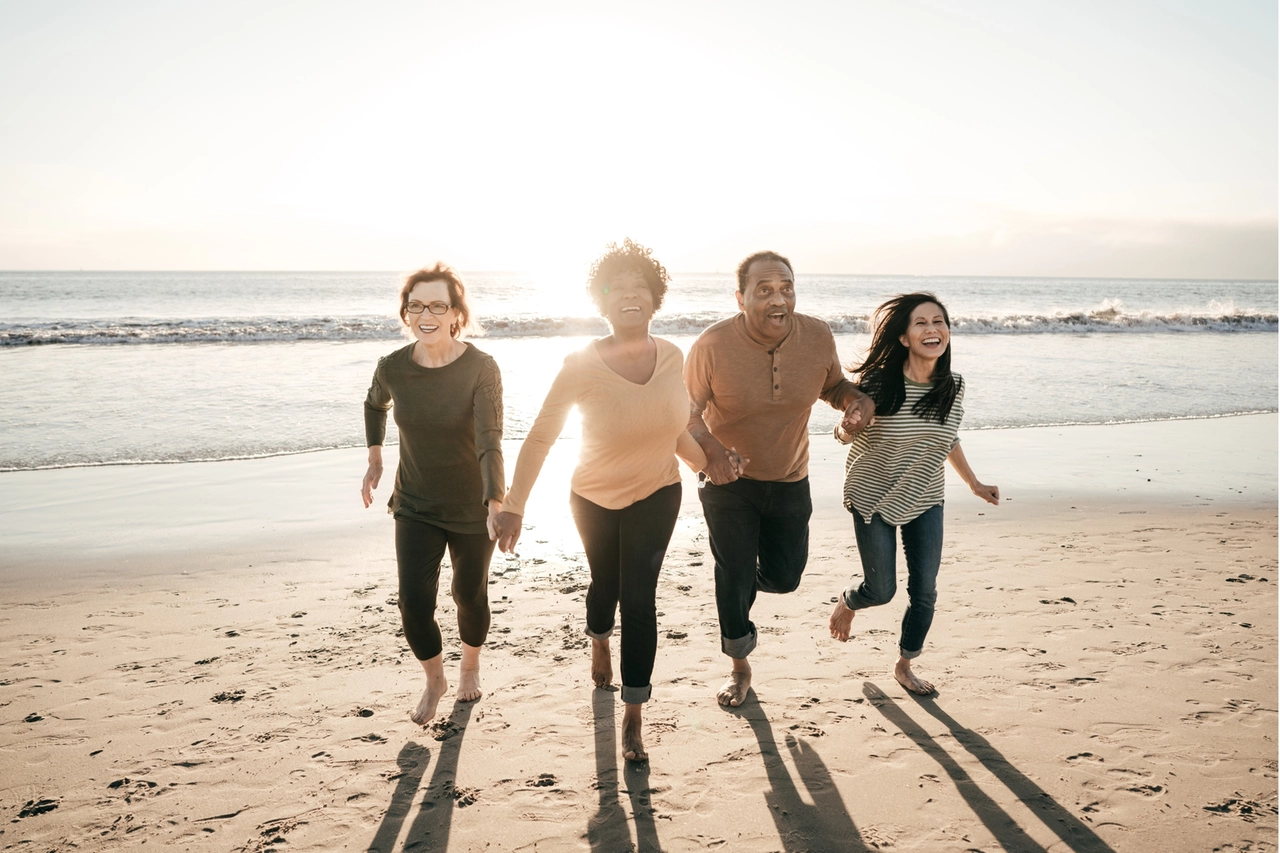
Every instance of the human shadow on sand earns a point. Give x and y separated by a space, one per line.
825 825
430 829
608 830
1073 832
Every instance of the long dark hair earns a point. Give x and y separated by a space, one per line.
880 373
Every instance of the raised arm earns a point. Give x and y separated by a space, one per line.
990 494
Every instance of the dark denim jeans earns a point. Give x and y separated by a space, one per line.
759 533
624 549
877 546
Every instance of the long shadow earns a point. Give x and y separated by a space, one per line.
430 829
636 774
607 830
825 825
412 760
1073 832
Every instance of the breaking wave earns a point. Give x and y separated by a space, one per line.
1109 318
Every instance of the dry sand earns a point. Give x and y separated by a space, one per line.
207 657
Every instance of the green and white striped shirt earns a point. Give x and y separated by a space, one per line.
895 465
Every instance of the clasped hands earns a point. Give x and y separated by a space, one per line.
504 528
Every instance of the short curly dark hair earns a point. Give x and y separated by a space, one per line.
630 256
745 266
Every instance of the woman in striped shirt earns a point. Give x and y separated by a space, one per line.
894 477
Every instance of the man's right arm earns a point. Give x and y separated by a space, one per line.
723 465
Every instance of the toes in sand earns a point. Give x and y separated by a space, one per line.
601 663
908 679
426 710
841 620
632 741
734 691
469 685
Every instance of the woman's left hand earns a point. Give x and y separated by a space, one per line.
990 494
491 523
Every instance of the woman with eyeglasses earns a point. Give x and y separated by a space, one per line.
625 491
446 397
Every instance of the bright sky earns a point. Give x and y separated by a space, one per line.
978 137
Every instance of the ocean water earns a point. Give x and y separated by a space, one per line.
119 368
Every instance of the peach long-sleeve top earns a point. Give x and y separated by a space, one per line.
631 433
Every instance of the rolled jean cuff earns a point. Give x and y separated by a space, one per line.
850 597
910 655
636 695
740 647
593 635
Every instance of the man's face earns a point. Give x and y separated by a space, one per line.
768 300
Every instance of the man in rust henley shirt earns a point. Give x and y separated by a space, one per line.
752 381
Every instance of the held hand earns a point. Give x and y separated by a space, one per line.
371 478
737 461
490 523
990 494
723 468
859 415
506 526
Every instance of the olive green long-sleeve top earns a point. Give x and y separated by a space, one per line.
450 423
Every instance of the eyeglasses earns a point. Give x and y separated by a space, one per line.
433 307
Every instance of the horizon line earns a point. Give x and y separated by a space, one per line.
683 273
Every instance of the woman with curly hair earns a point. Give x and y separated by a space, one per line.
447 398
625 490
894 473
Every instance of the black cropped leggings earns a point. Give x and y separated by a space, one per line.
419 550
624 549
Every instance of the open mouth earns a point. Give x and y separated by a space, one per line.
631 309
778 315
427 328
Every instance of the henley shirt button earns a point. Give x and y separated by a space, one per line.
775 370
775 387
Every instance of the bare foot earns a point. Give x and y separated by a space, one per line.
601 663
469 685
908 679
469 674
437 686
841 620
632 743
734 691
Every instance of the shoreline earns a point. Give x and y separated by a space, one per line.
209 657
124 517
516 441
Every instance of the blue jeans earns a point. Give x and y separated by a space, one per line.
759 535
877 546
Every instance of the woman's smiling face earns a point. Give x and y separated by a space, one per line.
430 329
927 334
627 301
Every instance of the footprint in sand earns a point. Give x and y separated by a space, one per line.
36 807
442 730
1248 712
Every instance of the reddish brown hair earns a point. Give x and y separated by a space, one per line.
457 295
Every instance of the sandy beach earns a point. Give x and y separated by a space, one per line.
206 657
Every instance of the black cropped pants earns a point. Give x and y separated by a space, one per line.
625 548
420 547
